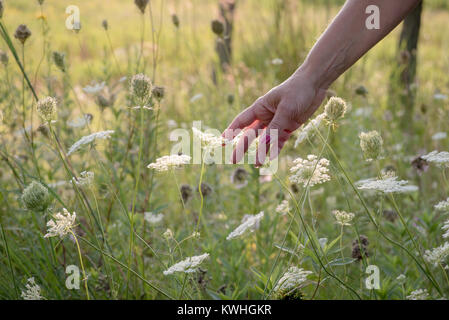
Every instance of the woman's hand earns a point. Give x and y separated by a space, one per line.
284 109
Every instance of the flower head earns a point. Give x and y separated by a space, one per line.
239 178
85 179
166 163
33 291
62 224
141 4
420 294
440 158
343 218
310 171
102 135
22 33
371 144
445 228
36 197
4 58
310 129
188 265
283 207
291 280
59 60
388 184
186 192
46 108
442 205
153 218
217 27
335 109
249 223
208 140
437 255
141 87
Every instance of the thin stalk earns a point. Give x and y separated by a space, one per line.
82 264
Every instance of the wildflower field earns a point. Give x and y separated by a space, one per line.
114 180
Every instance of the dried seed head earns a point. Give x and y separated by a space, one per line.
335 109
217 27
46 108
59 60
175 20
141 87
186 192
104 102
390 215
35 197
362 239
359 247
141 4
41 2
158 93
240 177
206 189
371 144
4 58
105 24
22 33
2 8
361 91
231 99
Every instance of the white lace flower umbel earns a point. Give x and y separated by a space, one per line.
292 279
388 184
61 225
88 139
249 223
32 292
310 171
166 163
188 265
440 158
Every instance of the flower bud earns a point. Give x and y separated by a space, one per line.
141 87
46 108
371 144
35 197
168 234
335 109
22 33
141 4
59 60
4 59
2 8
158 93
217 27
175 20
105 24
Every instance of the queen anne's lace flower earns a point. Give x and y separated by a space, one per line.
249 223
291 280
442 205
310 171
440 158
85 179
283 207
166 163
188 265
61 225
94 88
33 291
153 218
209 140
420 294
309 130
445 228
438 254
88 139
388 184
439 136
343 217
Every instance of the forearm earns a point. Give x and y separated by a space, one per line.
347 38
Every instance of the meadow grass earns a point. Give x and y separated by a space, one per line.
117 240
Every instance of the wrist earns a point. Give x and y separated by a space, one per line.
314 75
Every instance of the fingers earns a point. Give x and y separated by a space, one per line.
243 120
246 140
274 137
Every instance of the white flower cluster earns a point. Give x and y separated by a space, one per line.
94 88
343 218
445 228
88 139
283 208
420 294
85 179
310 171
209 140
80 122
153 218
33 291
309 130
188 265
440 158
388 184
61 225
442 205
292 279
166 163
437 255
439 136
249 223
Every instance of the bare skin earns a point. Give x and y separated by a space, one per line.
287 106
